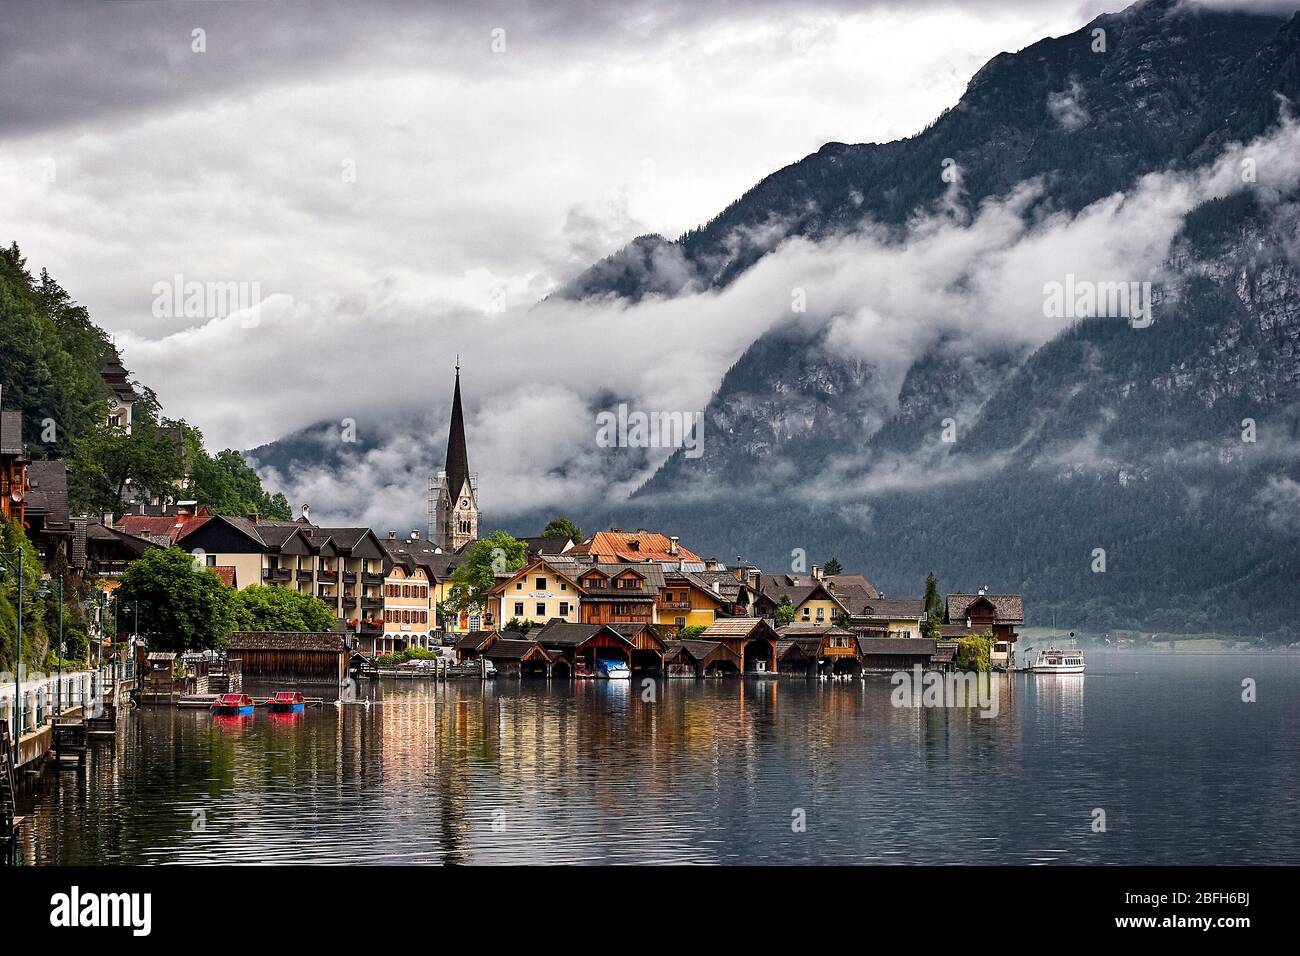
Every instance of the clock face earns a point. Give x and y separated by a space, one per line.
464 502
114 404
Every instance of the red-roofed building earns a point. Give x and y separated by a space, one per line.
157 527
633 546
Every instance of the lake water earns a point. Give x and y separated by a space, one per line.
709 772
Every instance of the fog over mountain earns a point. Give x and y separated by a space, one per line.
864 329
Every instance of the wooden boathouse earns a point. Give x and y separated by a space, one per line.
524 658
751 639
584 643
290 657
895 653
818 649
698 658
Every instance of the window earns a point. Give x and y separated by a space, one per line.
821 613
564 585
541 609
541 584
519 585
668 596
564 609
519 609
680 621
212 560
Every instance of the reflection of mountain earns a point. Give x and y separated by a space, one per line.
1103 436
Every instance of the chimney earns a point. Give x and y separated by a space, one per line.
984 589
415 534
816 572
641 531
252 516
107 519
306 511
717 587
392 536
672 544
740 574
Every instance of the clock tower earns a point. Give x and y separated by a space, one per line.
455 507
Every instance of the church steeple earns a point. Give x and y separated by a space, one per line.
457 455
457 505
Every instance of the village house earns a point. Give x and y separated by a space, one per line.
344 567
536 593
984 613
408 610
621 593
889 617
617 545
687 600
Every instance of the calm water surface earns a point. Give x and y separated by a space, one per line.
712 772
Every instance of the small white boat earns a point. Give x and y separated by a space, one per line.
613 669
1052 660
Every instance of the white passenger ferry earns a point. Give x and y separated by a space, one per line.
1052 660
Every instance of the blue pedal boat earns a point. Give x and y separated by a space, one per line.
287 702
233 705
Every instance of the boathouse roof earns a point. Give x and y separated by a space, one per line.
919 646
329 641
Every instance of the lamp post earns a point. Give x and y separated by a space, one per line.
18 658
58 687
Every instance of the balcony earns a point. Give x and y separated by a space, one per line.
305 574
373 579
327 594
349 577
370 627
323 575
349 601
676 605
276 574
372 603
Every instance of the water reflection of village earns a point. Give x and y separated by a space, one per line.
537 771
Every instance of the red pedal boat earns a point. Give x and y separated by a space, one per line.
287 702
233 705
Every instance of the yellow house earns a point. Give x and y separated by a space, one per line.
537 592
685 601
892 617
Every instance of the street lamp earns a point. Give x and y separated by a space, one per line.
45 589
18 658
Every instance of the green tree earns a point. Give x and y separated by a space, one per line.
689 631
269 608
973 652
933 607
226 484
35 641
475 576
834 567
178 605
107 461
563 527
522 627
784 611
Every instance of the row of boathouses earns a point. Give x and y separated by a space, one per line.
729 647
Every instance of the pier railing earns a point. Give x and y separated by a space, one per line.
53 695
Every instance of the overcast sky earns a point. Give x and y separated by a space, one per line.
385 172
